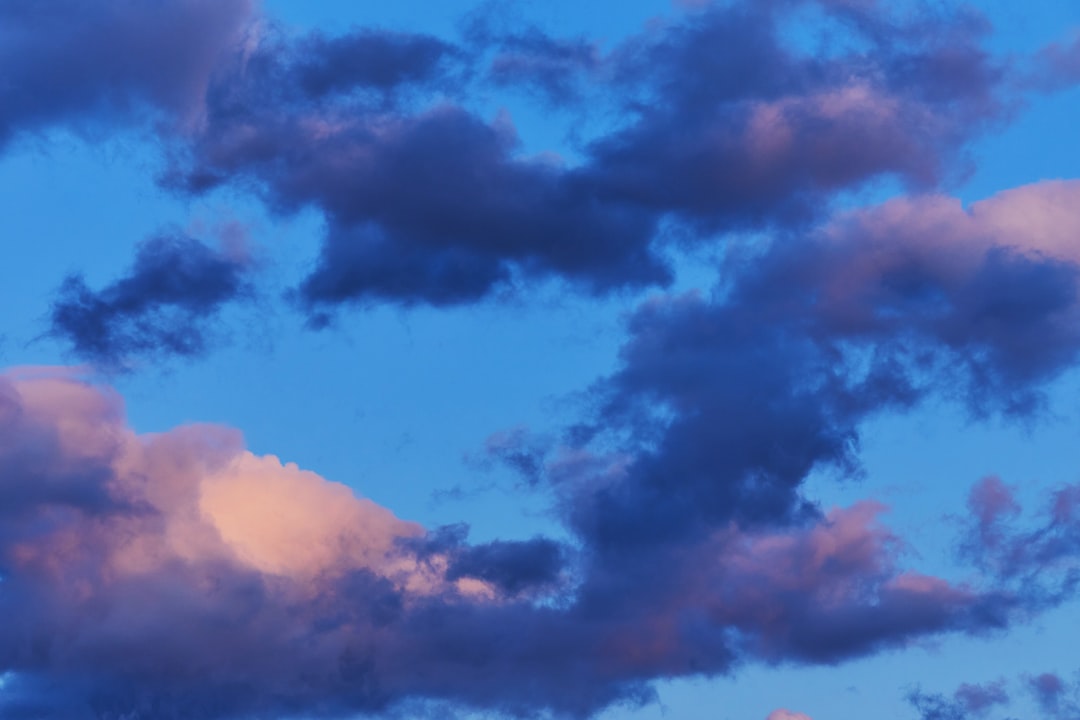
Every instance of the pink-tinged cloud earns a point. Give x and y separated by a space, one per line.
782 714
181 564
987 293
831 590
143 574
709 145
980 698
722 406
364 127
191 495
1036 553
940 243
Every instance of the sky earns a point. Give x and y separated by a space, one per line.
618 360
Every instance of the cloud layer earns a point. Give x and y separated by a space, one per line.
177 574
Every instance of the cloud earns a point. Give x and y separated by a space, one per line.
736 398
1057 698
685 476
802 594
762 148
366 59
175 288
979 282
1037 559
513 567
246 586
216 568
104 64
786 715
398 230
968 701
760 133
1057 65
725 122
556 69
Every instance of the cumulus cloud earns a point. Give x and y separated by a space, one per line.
760 133
165 305
830 591
725 123
182 565
247 587
176 573
763 148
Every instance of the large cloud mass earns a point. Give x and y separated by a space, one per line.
727 126
727 123
736 398
177 573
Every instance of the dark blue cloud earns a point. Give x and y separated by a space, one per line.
513 567
723 125
369 59
730 402
968 702
164 305
98 65
538 628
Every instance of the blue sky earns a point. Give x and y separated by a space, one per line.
693 359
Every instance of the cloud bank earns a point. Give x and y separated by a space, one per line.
178 574
247 587
728 121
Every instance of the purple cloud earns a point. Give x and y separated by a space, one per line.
1057 698
426 202
245 587
728 125
736 398
1038 560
